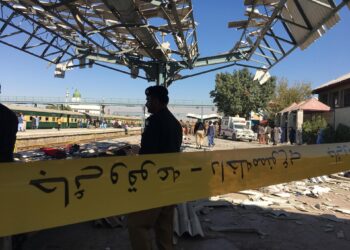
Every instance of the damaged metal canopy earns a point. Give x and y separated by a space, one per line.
274 28
157 36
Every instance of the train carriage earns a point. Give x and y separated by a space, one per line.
112 120
47 117
69 119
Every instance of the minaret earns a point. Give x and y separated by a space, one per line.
67 94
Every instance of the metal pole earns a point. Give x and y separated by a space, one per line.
160 76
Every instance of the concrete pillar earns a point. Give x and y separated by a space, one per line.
299 126
336 118
289 123
299 119
161 78
282 125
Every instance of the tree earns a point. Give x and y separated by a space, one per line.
311 128
284 95
239 94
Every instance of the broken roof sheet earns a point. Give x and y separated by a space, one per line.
274 28
108 26
147 34
303 16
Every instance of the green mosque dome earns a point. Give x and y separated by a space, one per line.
76 94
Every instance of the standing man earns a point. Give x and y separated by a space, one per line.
162 134
37 120
261 134
211 134
319 139
8 131
33 119
276 135
267 133
24 123
126 128
59 122
20 122
292 135
199 133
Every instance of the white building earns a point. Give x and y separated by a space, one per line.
84 108
336 94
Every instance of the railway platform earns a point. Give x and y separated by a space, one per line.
32 139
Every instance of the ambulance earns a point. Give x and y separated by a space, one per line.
236 128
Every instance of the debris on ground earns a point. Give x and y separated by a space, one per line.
235 229
112 222
312 213
72 151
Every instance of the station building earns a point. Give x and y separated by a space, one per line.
336 94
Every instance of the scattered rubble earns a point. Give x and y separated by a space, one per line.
112 222
90 150
340 234
344 211
186 220
309 208
235 229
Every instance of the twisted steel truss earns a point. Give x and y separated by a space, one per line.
157 36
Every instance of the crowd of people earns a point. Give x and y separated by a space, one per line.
163 133
266 133
22 123
200 130
97 123
90 123
274 134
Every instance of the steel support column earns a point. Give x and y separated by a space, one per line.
161 74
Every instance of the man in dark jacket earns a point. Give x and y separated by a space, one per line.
211 134
292 135
8 131
199 132
162 134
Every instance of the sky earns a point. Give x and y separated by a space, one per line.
326 59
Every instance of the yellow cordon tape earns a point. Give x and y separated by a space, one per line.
46 194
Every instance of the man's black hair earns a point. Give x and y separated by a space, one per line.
158 92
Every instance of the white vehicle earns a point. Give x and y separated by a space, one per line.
236 128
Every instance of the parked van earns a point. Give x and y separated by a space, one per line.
236 128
